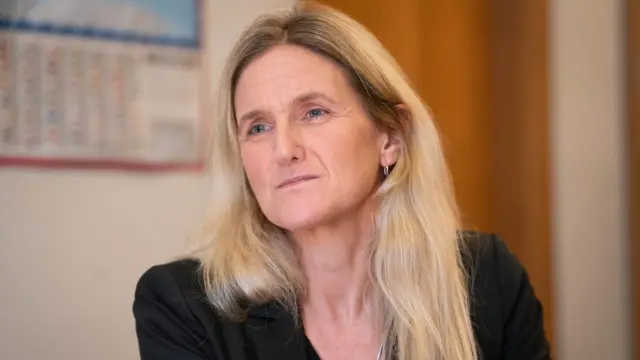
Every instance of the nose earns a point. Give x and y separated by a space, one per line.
288 146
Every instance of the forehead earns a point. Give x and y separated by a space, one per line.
284 72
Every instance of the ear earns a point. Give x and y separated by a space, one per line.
391 144
389 149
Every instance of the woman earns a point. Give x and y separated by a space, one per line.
334 233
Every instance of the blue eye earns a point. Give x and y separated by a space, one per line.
315 113
257 129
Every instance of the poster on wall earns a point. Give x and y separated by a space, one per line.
100 83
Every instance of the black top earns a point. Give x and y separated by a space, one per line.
173 320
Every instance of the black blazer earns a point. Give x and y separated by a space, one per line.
173 320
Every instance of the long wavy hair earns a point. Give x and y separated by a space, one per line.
416 262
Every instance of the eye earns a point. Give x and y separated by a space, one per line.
314 113
257 129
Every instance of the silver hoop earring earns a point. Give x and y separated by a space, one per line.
385 171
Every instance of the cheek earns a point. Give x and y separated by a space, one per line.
255 166
355 160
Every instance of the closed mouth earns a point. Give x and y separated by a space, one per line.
296 180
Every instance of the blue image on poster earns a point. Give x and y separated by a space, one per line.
162 22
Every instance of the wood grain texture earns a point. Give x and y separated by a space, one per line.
521 153
633 111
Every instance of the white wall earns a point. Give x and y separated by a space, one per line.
73 243
587 78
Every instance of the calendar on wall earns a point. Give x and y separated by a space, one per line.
100 83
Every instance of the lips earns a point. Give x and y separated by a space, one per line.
295 180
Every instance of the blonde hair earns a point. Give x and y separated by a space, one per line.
416 263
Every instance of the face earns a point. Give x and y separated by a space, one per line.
311 153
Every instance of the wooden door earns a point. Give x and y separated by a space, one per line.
633 102
481 66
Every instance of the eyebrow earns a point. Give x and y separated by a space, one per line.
302 98
312 96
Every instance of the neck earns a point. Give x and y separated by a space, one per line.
335 260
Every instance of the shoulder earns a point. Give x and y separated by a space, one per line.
176 276
507 315
174 319
169 308
486 254
174 287
491 269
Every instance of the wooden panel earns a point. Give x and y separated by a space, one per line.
386 20
455 83
633 91
521 158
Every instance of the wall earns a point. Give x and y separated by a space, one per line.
588 146
74 243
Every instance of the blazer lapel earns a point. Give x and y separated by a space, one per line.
274 334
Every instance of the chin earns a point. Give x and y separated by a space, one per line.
297 220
